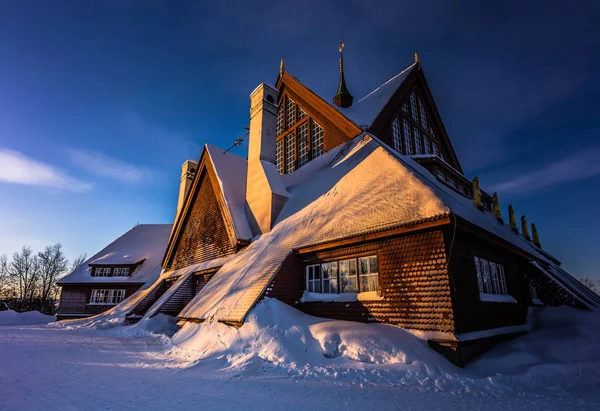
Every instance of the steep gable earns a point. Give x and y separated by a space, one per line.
211 224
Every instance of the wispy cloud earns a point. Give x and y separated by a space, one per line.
577 166
104 166
17 168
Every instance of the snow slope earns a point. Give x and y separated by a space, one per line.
10 317
285 360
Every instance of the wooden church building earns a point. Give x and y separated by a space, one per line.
354 210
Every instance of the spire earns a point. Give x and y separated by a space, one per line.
342 98
281 67
477 193
512 219
536 236
525 228
497 210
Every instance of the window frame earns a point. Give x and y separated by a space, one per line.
107 296
339 285
491 280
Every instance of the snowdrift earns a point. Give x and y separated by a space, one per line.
10 317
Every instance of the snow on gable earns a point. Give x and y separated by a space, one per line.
231 172
366 110
144 242
362 189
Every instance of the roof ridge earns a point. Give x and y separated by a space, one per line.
389 80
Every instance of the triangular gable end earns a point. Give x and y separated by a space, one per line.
204 229
421 113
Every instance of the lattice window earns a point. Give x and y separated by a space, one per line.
280 118
417 141
413 107
290 160
405 108
423 115
302 137
426 146
441 176
316 139
107 296
434 148
345 276
396 134
407 137
290 118
301 113
490 277
279 156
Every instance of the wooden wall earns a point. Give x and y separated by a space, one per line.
74 299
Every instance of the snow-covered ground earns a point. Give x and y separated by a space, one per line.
10 317
283 359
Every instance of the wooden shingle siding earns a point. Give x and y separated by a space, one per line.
413 280
472 314
549 291
288 283
205 234
180 298
75 298
148 300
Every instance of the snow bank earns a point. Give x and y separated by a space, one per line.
10 317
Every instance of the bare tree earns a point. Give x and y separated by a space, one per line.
24 270
78 261
5 280
52 264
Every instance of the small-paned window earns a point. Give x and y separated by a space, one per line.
418 141
426 147
280 118
348 279
117 272
423 115
461 190
290 118
368 274
289 153
405 108
440 175
345 276
434 148
396 134
316 139
301 113
107 296
413 107
313 278
279 156
407 137
125 271
451 182
490 277
302 138
330 277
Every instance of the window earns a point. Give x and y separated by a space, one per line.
313 278
289 153
434 148
396 134
301 113
368 274
534 293
290 118
345 276
348 280
280 118
405 108
407 137
125 271
330 277
107 296
461 190
423 115
451 182
111 272
413 106
117 272
279 156
440 175
490 277
302 137
418 141
316 139
426 144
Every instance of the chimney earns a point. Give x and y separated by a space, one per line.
188 170
265 193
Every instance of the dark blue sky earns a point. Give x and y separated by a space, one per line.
101 102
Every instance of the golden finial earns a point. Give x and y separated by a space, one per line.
416 57
341 48
477 193
281 66
536 236
525 228
512 219
497 210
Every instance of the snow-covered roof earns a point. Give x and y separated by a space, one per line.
231 173
144 242
365 111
